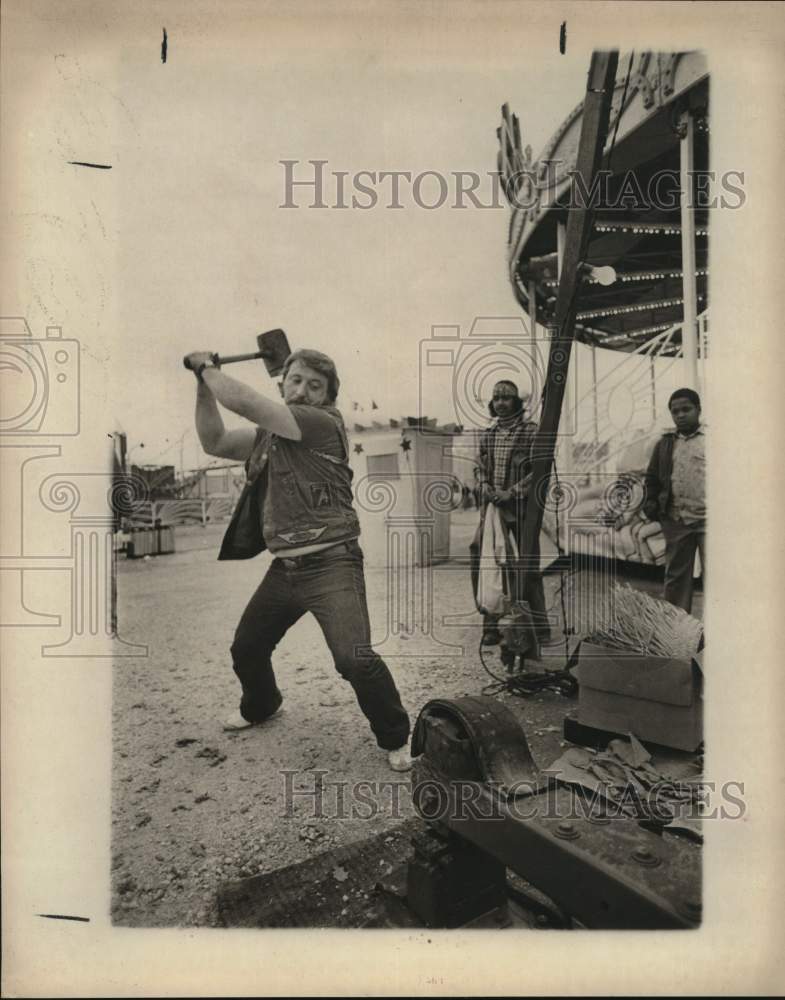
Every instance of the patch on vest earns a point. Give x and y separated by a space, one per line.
320 496
301 536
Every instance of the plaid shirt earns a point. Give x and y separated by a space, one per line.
501 441
503 438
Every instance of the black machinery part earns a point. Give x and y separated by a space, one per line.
492 743
475 780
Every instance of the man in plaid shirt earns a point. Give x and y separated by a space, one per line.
505 473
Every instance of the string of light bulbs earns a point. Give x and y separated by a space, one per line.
639 276
700 272
624 310
638 332
651 228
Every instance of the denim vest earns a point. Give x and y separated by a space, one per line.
294 496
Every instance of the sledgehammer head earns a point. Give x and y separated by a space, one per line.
274 350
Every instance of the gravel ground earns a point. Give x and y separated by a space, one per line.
194 807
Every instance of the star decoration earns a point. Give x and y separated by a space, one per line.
406 444
358 448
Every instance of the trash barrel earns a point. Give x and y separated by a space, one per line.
141 543
164 540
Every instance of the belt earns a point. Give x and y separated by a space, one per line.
297 562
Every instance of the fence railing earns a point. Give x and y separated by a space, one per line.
147 512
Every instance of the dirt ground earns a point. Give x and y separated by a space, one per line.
195 807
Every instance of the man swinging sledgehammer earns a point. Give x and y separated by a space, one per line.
298 504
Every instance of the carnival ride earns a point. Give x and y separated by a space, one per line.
641 313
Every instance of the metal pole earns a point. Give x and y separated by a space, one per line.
533 404
561 237
596 401
653 391
533 309
689 330
565 450
703 323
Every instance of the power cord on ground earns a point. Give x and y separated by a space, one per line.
525 683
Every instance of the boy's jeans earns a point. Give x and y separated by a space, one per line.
331 585
681 541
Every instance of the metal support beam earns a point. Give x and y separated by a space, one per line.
596 399
590 871
594 130
533 308
653 378
689 330
532 407
475 776
565 451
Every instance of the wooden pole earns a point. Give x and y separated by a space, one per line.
689 330
594 131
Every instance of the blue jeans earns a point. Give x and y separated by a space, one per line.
331 585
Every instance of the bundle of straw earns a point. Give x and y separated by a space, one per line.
632 620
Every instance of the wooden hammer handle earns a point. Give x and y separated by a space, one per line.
218 360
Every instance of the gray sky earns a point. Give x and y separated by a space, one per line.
182 245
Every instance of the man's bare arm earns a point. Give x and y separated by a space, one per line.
213 436
246 402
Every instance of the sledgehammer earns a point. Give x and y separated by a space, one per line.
273 350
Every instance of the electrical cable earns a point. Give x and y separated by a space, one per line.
527 683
